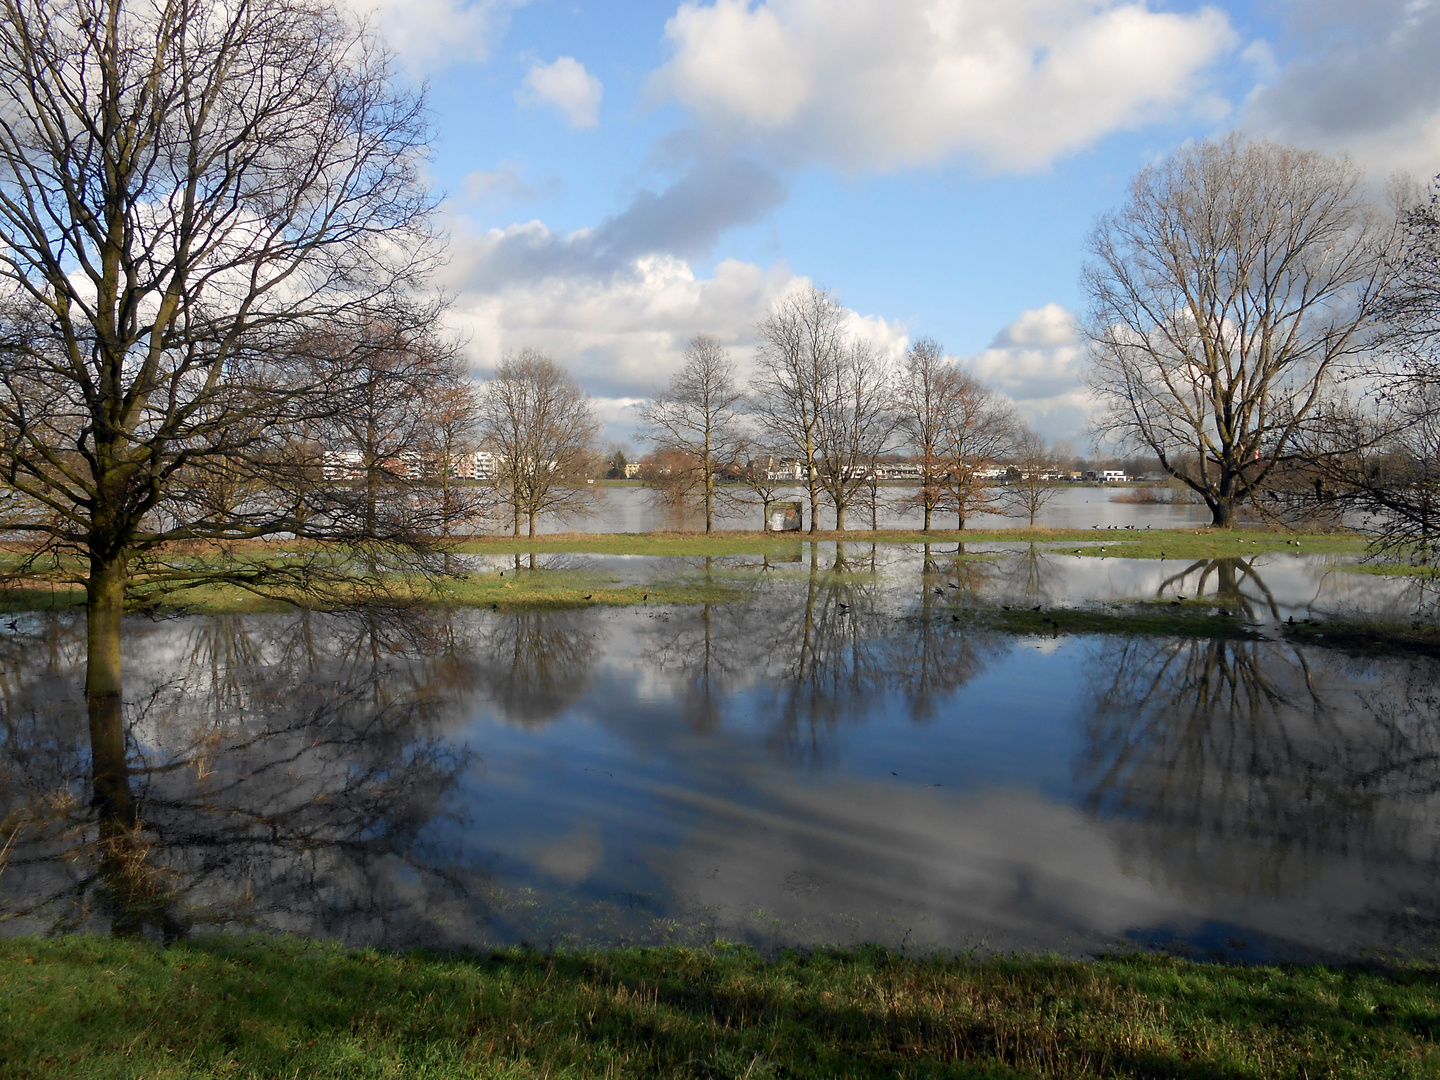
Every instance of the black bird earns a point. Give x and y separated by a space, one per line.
954 618
645 597
588 595
13 625
1005 607
939 592
1290 621
1035 608
954 586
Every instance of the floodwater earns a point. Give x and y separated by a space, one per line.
636 510
837 757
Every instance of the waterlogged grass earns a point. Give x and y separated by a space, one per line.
1121 543
566 588
91 1007
1187 619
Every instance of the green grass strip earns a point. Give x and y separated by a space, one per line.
85 1007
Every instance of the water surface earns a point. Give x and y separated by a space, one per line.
836 758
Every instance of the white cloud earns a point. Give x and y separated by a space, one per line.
890 83
1364 81
432 34
1037 361
620 326
567 86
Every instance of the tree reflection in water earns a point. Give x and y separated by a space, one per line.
275 770
834 647
1237 582
1251 769
535 664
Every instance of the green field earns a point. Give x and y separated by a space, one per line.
85 1007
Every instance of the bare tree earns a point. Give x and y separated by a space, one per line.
855 421
1032 485
926 398
697 416
801 344
761 478
1223 297
979 429
451 437
1376 452
387 430
539 424
188 189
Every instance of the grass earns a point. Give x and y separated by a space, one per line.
571 588
1186 619
85 1007
1119 543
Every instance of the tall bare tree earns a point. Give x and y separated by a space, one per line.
697 416
188 188
855 421
1223 297
926 394
801 346
979 428
1377 452
1031 486
539 424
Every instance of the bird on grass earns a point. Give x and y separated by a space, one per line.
588 595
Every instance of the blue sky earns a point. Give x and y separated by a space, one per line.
621 176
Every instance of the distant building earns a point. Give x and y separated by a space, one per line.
632 470
343 465
1113 476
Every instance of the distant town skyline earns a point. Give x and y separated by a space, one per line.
621 176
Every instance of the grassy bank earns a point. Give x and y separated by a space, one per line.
1118 543
573 588
93 1007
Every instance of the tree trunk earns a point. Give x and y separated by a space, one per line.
926 497
532 522
122 855
839 517
709 484
104 605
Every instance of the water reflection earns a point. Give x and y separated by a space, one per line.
838 755
535 664
1252 772
278 770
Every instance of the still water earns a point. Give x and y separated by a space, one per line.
635 509
835 758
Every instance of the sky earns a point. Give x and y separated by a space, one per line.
617 177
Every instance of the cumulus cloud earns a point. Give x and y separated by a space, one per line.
890 83
566 86
620 325
620 333
432 34
1365 81
1037 362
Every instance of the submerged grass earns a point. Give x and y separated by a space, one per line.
1148 618
570 588
85 1007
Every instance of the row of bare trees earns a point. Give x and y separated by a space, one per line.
824 398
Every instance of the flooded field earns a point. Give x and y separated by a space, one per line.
635 509
851 751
